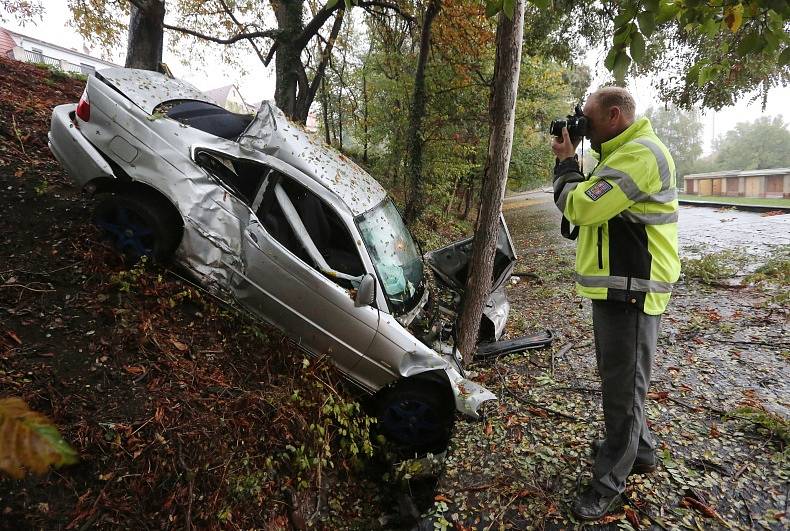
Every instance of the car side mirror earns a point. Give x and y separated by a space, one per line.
366 292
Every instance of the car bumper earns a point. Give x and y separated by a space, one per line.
82 161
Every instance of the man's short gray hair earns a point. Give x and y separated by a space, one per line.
609 97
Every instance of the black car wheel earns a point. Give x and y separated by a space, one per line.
416 415
139 225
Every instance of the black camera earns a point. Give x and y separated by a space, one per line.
576 124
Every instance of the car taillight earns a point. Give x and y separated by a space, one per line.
84 108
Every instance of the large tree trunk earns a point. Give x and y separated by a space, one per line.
414 141
146 34
290 76
502 112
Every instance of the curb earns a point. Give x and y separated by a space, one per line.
751 208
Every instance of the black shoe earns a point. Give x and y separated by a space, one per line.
592 505
639 467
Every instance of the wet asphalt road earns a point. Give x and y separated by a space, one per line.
702 230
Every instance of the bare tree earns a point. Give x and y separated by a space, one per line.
416 115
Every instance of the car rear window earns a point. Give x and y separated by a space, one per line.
207 117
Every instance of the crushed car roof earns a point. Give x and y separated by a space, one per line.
272 133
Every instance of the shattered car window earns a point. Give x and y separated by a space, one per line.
394 255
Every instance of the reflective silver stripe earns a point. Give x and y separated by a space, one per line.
602 281
650 286
615 282
632 191
624 181
664 196
661 161
564 196
657 218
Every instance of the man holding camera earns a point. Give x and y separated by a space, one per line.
625 213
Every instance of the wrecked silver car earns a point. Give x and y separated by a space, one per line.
263 214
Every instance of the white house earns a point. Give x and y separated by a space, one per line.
230 98
33 50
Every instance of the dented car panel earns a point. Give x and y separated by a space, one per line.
451 266
272 220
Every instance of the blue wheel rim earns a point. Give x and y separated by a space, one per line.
128 232
412 421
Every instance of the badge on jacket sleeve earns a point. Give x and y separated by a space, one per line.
596 191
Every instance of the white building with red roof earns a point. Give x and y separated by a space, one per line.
33 50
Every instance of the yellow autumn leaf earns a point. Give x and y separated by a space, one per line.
733 17
29 441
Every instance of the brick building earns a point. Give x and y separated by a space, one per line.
773 183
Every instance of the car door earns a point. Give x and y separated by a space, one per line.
279 283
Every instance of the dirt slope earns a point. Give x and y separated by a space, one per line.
183 412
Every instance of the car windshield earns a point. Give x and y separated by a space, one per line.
394 255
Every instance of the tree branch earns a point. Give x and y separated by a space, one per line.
323 15
241 28
387 5
269 34
325 54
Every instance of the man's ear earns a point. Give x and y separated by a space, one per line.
614 114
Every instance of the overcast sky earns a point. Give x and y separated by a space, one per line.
258 82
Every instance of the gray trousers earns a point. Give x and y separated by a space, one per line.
625 345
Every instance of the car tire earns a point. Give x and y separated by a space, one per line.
416 415
139 225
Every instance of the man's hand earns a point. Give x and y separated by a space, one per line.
565 149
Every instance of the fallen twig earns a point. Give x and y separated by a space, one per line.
561 352
18 136
748 510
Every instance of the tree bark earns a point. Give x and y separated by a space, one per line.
502 115
365 114
290 75
146 35
325 106
414 141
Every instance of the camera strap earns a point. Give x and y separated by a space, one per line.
565 229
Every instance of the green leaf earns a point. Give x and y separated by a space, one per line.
621 64
772 40
331 3
751 43
509 7
651 5
710 27
623 18
784 57
666 11
622 33
637 47
706 73
611 57
647 23
541 4
493 7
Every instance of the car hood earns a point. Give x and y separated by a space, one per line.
147 89
451 263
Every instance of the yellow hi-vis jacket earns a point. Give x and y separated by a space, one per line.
627 213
